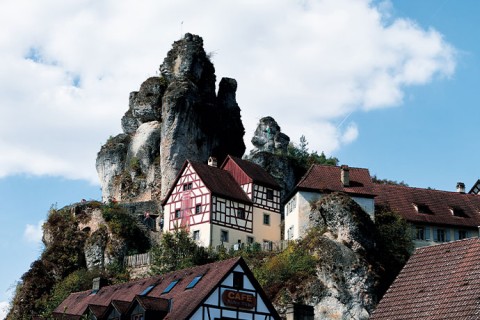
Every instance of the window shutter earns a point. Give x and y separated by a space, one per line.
427 233
457 234
467 233
435 238
447 235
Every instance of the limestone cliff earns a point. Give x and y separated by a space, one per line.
173 117
342 240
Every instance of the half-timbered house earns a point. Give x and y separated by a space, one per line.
221 290
232 205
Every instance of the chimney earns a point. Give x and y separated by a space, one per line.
212 162
98 283
345 175
460 187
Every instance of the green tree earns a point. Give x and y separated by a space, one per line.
177 250
304 159
394 243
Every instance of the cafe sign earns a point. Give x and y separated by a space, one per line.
239 299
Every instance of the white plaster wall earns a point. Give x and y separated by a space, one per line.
298 218
204 229
368 205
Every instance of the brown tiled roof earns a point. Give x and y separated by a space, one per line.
121 306
97 310
328 178
220 182
184 301
438 282
255 172
403 199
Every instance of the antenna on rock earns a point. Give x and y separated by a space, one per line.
181 29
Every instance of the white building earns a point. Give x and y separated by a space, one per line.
319 181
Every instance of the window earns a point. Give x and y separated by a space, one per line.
223 235
196 235
238 280
241 213
187 186
290 233
291 205
458 212
198 208
423 208
462 234
266 219
177 213
250 240
269 194
441 236
137 316
194 282
147 290
170 286
420 233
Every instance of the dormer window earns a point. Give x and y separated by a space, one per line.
422 208
458 212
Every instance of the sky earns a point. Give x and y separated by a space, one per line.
386 85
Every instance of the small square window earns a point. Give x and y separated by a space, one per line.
196 235
250 240
178 213
238 280
223 235
266 219
269 194
187 186
198 208
462 234
241 213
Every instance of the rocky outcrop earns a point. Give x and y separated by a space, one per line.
346 267
270 152
173 117
268 137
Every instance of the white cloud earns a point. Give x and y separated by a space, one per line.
33 233
4 306
67 69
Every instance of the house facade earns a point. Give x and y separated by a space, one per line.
319 181
236 204
435 216
222 290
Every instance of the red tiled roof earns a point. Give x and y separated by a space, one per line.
403 199
184 301
220 182
438 282
328 178
255 172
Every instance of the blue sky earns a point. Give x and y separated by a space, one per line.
386 85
